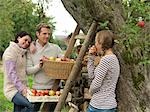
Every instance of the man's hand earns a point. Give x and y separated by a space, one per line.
32 47
44 58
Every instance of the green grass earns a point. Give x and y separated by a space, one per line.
5 105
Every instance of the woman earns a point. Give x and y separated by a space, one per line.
14 63
105 75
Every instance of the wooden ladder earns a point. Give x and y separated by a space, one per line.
78 65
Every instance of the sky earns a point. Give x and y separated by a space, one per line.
65 24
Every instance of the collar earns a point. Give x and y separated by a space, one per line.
39 45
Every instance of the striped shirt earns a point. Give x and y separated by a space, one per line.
103 85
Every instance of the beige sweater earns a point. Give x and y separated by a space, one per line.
17 55
40 79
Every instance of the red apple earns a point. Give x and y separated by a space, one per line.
46 92
141 24
34 91
37 94
63 59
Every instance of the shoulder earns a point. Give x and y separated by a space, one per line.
53 45
109 58
9 54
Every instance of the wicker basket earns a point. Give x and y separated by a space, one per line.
58 69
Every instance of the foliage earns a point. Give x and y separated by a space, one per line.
59 42
136 44
17 15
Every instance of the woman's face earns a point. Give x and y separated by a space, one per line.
24 42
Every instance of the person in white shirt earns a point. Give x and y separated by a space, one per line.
41 81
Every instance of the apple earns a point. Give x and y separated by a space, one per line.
38 94
65 59
51 93
58 93
42 94
141 24
58 59
34 91
52 58
46 92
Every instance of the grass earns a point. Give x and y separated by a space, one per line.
7 106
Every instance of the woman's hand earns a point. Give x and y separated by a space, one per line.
93 50
24 91
32 48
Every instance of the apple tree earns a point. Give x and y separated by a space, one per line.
132 44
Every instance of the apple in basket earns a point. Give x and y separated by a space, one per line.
51 92
58 59
52 58
65 59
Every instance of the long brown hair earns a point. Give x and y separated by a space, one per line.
106 39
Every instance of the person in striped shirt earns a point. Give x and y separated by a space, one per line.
105 75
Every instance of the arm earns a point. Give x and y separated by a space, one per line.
12 75
31 68
100 74
90 66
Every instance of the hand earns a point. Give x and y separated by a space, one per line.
32 48
93 50
41 63
44 58
24 91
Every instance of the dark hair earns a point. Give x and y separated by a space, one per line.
42 25
106 39
21 34
78 48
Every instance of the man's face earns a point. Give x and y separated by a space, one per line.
43 35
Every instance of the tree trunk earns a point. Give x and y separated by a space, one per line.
133 89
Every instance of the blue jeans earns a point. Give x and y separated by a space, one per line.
21 104
92 109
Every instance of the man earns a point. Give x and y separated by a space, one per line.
34 66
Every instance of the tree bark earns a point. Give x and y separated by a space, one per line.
133 89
